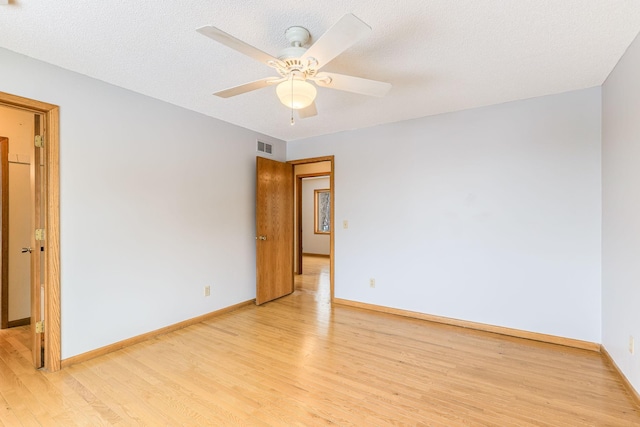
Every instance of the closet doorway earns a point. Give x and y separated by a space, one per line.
43 247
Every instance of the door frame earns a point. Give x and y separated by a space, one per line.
332 209
51 122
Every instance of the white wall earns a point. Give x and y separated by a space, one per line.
490 215
156 202
621 213
312 243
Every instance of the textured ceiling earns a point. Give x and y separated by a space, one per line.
439 55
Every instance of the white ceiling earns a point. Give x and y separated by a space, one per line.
439 55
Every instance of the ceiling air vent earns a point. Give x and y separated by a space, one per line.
263 147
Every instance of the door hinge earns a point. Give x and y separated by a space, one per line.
40 327
39 233
39 141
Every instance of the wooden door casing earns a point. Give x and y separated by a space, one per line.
36 265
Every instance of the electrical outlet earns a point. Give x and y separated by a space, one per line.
372 283
207 291
631 345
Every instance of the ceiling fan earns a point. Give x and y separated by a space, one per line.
297 65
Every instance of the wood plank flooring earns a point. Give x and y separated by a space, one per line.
298 361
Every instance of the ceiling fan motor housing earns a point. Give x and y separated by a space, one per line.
290 56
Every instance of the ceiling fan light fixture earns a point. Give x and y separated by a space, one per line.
298 65
296 94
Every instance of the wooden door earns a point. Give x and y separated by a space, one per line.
36 245
274 230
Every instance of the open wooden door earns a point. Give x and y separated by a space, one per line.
37 242
274 230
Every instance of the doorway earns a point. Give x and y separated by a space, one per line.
276 214
44 230
18 128
309 176
310 239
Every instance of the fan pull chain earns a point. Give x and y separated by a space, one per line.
292 121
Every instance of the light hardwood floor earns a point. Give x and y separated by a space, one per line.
297 361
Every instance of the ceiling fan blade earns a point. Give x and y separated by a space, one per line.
247 87
344 33
238 45
352 84
309 111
